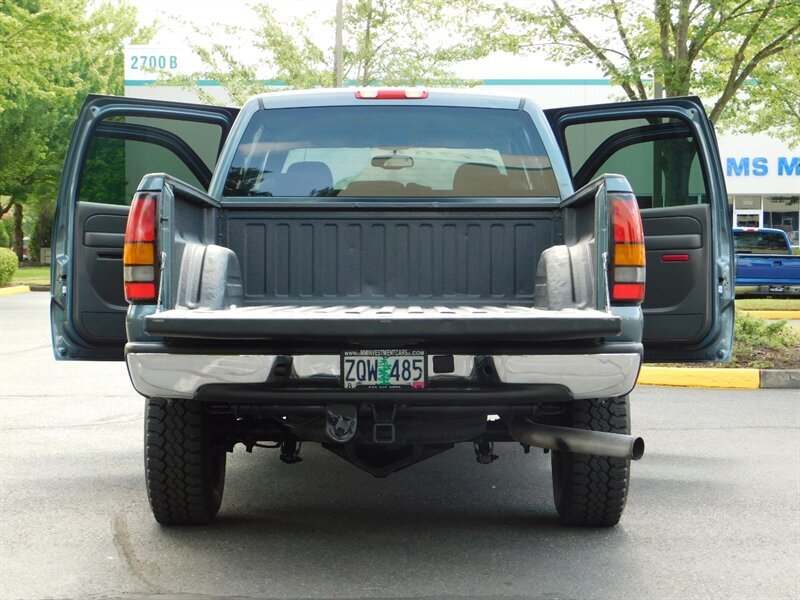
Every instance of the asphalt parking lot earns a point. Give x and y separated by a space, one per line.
713 511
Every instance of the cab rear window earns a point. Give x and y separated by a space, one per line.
759 242
390 151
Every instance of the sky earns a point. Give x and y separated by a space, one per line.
209 12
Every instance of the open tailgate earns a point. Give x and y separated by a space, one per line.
382 324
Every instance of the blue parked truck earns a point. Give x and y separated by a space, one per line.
765 263
390 272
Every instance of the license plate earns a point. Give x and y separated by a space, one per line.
384 369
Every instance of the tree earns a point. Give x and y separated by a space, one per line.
740 55
52 54
392 42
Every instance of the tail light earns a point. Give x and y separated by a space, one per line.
391 94
628 257
140 255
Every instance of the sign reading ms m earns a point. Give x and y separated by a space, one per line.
759 166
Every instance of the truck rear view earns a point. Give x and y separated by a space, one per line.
387 274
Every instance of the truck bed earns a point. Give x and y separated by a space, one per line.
383 274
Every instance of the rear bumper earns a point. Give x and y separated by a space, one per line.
303 379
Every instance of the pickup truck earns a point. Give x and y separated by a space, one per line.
765 264
390 272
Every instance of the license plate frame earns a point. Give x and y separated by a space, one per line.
385 369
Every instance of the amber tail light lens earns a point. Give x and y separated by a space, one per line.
140 255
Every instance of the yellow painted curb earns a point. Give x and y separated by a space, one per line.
701 377
774 314
15 289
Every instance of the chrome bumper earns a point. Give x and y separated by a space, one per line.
764 289
181 375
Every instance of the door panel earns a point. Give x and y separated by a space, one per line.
98 261
115 142
676 305
667 151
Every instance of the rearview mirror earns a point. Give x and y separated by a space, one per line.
392 162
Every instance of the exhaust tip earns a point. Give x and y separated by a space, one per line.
637 448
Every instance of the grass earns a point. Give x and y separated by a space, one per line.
31 276
768 304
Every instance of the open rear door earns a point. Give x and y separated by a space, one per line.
668 152
114 143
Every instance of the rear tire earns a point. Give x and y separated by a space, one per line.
184 467
591 490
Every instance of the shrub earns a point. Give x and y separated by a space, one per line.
8 265
751 334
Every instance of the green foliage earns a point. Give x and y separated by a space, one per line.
751 334
52 54
5 237
42 233
392 42
8 265
741 56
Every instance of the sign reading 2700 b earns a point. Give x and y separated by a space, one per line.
384 369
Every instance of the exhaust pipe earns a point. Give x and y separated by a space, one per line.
579 441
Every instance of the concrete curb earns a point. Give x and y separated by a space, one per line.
15 289
743 379
780 379
790 315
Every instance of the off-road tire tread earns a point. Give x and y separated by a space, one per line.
177 463
594 488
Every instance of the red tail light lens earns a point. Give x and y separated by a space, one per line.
628 256
391 94
140 255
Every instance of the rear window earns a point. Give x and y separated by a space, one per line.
390 151
759 242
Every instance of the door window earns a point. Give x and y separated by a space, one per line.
125 148
658 156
